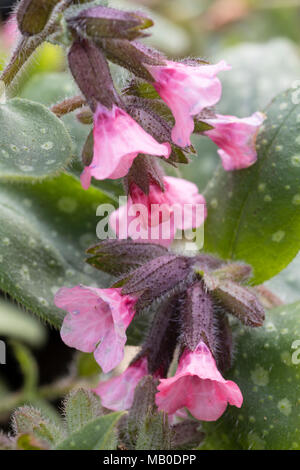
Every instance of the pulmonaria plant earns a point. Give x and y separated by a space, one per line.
189 297
138 132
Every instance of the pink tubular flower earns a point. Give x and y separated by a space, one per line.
236 139
198 386
96 322
118 139
156 217
187 90
117 393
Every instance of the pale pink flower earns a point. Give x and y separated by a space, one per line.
198 386
117 393
187 90
156 217
96 322
118 139
236 139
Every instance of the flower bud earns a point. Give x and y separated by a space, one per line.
122 256
241 302
198 318
89 68
163 276
144 171
132 55
33 15
162 338
102 22
154 116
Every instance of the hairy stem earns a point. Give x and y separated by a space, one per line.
28 45
68 105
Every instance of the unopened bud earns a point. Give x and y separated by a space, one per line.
165 275
89 68
102 22
198 318
33 15
162 337
144 171
235 272
132 55
154 118
241 302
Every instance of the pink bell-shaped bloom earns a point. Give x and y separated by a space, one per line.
118 139
117 393
187 90
156 217
96 322
198 386
236 139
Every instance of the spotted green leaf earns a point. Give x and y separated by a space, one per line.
34 142
267 370
44 232
99 434
254 214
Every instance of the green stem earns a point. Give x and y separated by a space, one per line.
28 45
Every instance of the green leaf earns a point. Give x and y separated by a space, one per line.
96 435
18 324
267 370
80 407
34 142
28 420
254 214
45 229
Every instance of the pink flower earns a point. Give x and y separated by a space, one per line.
117 393
198 386
118 139
96 322
187 90
236 139
157 216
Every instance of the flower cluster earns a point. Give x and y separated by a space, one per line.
154 116
187 300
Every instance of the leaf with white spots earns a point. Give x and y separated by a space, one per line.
254 214
34 142
99 434
267 370
44 231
